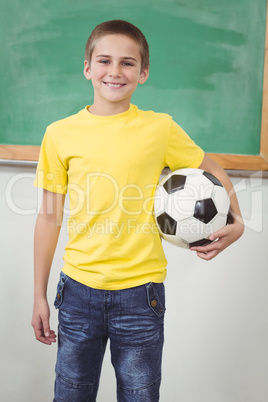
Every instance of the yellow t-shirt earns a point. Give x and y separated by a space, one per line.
110 165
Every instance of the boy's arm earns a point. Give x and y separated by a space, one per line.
230 233
46 234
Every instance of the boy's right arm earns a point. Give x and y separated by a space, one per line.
46 234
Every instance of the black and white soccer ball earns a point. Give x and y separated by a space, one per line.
190 205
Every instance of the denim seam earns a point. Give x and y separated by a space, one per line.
60 289
76 384
139 389
157 313
63 277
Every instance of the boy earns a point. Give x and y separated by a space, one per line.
110 155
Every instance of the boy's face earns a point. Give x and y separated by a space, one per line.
115 71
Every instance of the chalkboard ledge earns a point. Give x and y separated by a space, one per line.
240 162
231 162
20 152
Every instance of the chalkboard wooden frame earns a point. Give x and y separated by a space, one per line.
227 161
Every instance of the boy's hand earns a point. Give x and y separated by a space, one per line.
40 323
221 239
235 227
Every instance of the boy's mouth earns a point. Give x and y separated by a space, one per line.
114 85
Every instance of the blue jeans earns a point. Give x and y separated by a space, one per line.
132 319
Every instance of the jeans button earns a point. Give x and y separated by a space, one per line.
153 303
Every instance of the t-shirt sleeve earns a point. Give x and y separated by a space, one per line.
51 173
182 151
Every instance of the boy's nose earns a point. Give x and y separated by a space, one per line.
114 71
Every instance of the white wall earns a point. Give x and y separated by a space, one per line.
216 347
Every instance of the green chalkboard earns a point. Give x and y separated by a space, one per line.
206 71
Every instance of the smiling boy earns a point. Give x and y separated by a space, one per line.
109 157
115 72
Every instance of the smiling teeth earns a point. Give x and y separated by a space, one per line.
114 85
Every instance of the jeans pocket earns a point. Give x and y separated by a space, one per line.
156 298
60 290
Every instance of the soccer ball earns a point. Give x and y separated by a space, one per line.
190 205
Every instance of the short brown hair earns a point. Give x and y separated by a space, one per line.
119 27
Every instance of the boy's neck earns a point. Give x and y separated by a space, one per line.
108 110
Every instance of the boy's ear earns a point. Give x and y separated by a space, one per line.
144 75
87 71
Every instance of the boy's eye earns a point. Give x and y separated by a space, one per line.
124 63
